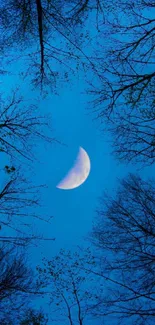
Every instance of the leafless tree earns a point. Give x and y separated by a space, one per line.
124 233
17 284
33 317
79 11
124 88
73 291
133 137
20 206
21 127
46 31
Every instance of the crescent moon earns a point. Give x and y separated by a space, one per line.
78 173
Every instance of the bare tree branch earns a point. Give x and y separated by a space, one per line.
125 234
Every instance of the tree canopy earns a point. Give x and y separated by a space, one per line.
124 232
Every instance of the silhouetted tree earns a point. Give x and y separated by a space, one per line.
79 11
20 202
46 31
73 292
29 317
34 317
134 137
17 285
124 233
124 94
21 127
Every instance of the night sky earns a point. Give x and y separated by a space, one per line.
74 126
72 210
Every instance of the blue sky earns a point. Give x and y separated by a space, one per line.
73 210
72 120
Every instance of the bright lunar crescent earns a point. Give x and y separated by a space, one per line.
78 173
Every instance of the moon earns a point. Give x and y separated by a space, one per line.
78 173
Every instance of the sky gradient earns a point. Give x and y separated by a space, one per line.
73 211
